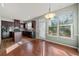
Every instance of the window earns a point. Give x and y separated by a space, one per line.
65 30
53 27
28 25
62 26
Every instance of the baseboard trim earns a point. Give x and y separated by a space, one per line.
61 44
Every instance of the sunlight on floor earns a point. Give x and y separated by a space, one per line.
11 48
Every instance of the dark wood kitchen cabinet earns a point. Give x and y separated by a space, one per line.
5 29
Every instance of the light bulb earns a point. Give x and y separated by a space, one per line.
49 15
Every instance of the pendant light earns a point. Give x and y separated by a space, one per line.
50 14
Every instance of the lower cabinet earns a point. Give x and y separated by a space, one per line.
30 34
17 36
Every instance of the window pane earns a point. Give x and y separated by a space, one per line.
53 30
66 19
65 31
54 22
28 25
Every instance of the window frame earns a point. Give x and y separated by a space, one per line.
58 26
71 37
71 29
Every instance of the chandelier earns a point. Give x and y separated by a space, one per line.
50 14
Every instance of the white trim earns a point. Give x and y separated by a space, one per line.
65 37
65 24
62 44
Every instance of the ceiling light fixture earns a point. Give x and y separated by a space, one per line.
50 14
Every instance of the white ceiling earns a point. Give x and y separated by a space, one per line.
26 11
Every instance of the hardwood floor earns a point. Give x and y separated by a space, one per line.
59 50
38 47
41 47
7 43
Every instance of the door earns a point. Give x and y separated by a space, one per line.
42 30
